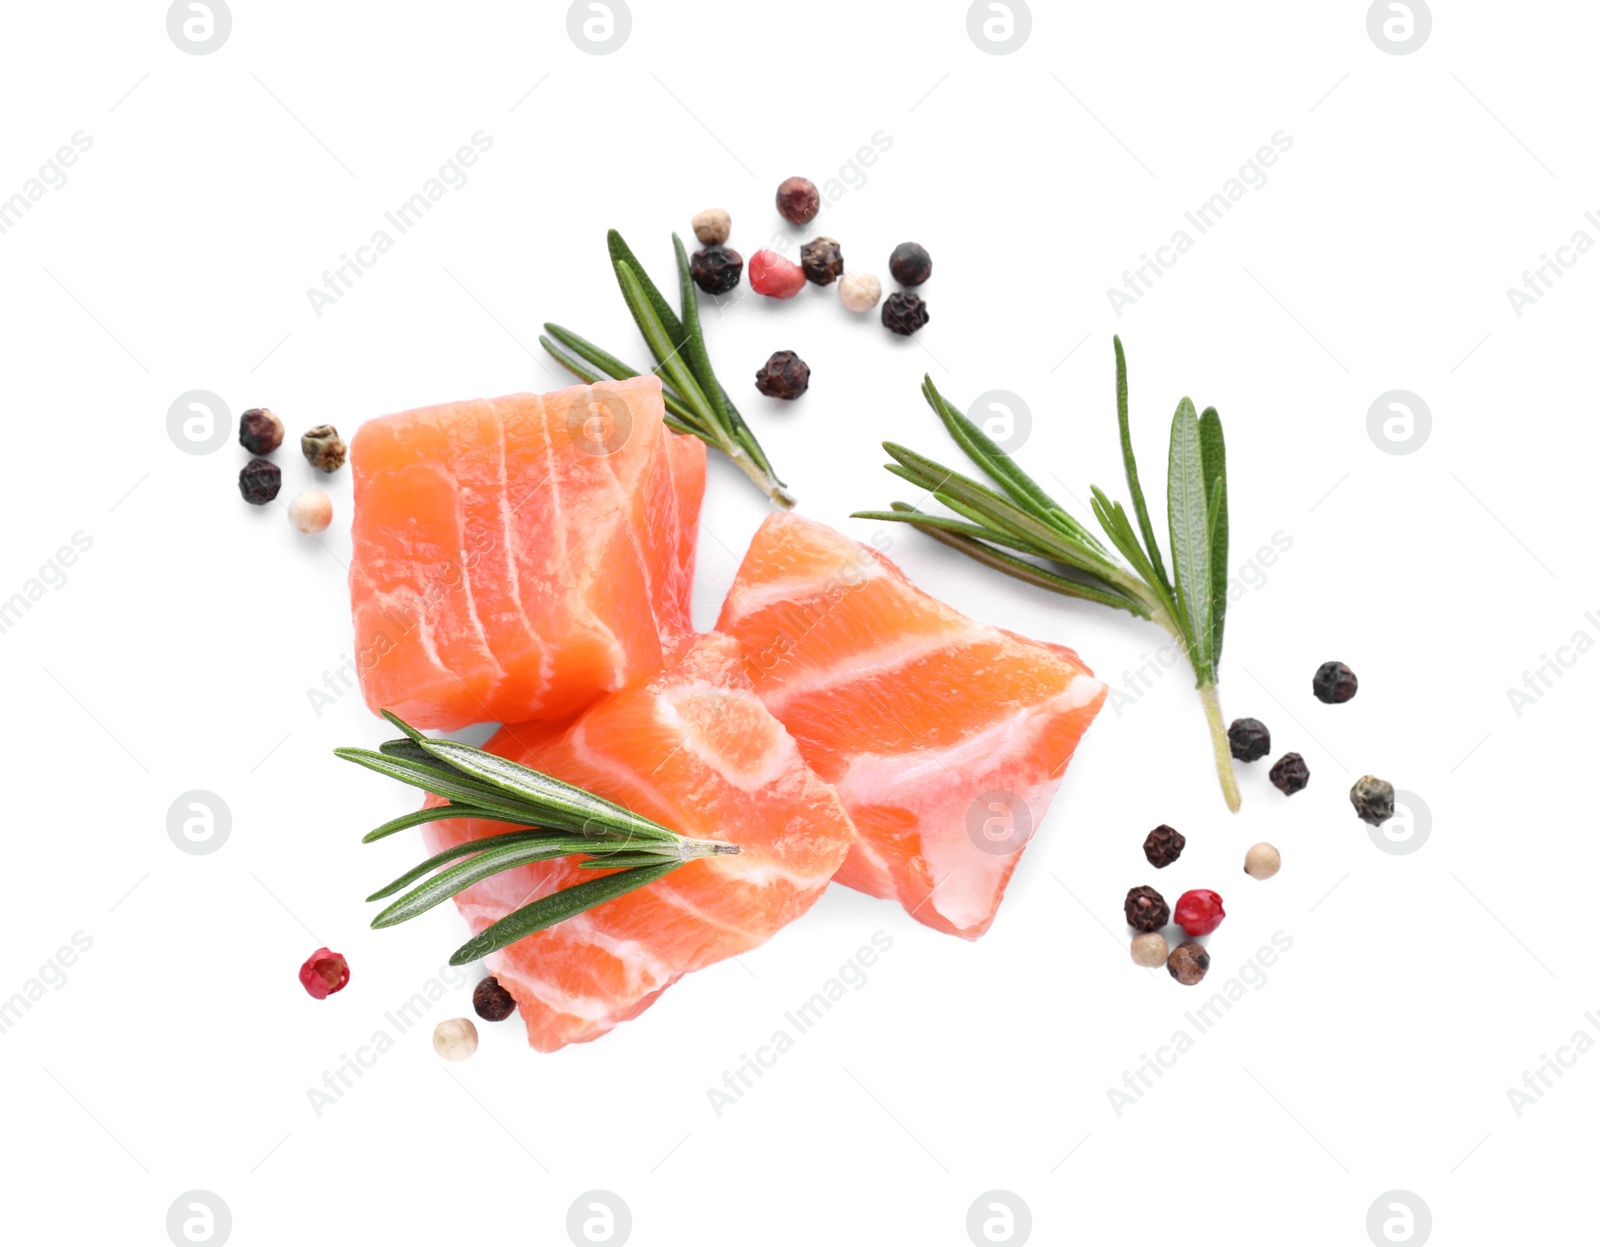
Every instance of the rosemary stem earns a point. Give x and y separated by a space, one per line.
765 482
1220 746
691 849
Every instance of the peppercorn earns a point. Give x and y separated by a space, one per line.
259 482
798 200
260 432
904 313
1199 911
1249 740
1373 799
1261 861
492 1002
716 269
1289 774
1334 683
774 276
1145 910
456 1039
324 973
712 226
1188 963
311 511
1148 950
785 375
859 292
910 264
323 448
1162 846
822 260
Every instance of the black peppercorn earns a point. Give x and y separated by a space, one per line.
492 1002
716 270
1188 963
798 200
910 264
1289 774
1373 799
1334 683
785 375
1163 846
822 261
323 448
259 482
1249 740
904 313
260 432
1145 909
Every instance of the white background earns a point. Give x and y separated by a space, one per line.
178 653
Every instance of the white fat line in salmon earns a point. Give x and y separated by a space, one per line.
339 280
50 977
1217 1000
851 976
801 616
405 1016
1251 575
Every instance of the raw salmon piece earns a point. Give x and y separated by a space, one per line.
515 558
945 738
695 750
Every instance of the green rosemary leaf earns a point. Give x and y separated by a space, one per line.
622 255
668 352
1214 463
1000 512
745 438
1114 520
1188 518
998 464
694 342
557 907
978 531
584 349
678 417
1131 468
441 783
1018 569
489 862
430 814
561 804
629 860
455 851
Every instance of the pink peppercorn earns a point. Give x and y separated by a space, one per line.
324 973
1199 912
775 277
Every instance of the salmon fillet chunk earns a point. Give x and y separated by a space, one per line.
695 750
945 739
516 558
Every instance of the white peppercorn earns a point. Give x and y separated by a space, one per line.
860 292
456 1039
1261 861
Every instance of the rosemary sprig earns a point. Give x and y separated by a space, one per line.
559 820
1020 516
695 400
